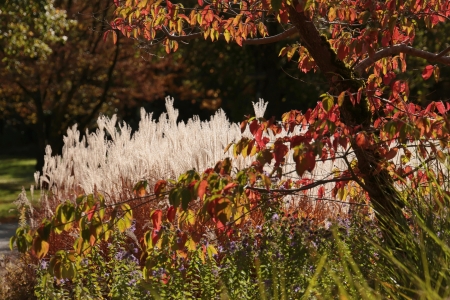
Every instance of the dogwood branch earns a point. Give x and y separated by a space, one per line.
258 41
403 48
303 188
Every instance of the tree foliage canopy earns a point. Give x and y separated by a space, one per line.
29 27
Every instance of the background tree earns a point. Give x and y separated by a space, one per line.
51 82
358 46
57 72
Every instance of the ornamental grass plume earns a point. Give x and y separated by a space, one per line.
112 159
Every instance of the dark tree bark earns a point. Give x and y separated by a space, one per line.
379 185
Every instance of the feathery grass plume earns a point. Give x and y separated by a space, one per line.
112 159
25 209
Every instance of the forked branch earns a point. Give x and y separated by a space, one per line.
303 188
258 41
403 48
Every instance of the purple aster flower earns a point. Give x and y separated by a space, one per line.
44 264
133 226
232 246
132 282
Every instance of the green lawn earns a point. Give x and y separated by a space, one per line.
15 172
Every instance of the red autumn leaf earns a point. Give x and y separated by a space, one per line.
254 125
200 2
304 158
139 188
160 187
387 78
239 40
243 126
321 192
279 152
362 140
202 189
324 155
114 37
434 19
229 187
105 35
165 278
386 38
284 16
171 214
220 226
191 185
343 51
258 137
91 212
427 72
392 153
157 219
441 107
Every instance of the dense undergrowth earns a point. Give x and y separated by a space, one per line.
230 233
282 256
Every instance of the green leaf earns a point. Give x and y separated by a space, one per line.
11 242
40 247
128 213
174 197
211 251
341 98
227 36
186 197
121 225
80 199
227 147
68 270
186 217
328 102
90 200
308 4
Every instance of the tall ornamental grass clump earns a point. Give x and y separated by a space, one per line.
113 159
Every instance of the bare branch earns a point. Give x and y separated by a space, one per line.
303 188
443 52
271 39
259 41
403 48
106 87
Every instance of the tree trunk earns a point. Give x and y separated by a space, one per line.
379 185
